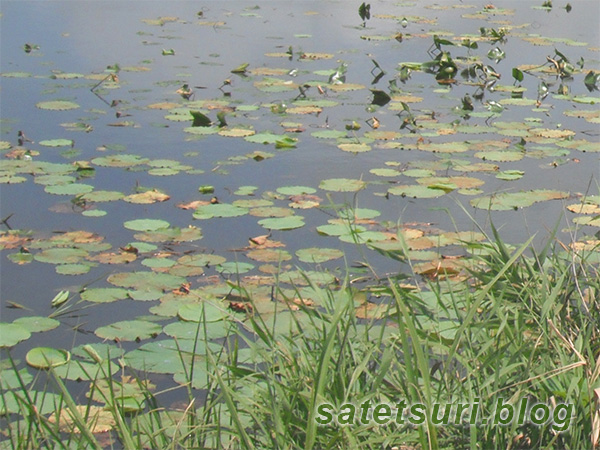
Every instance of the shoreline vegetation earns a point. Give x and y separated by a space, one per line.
200 275
513 324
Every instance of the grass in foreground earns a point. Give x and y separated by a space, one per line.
514 324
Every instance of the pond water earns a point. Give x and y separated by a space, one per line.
119 66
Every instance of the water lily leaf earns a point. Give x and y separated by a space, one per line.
172 234
444 147
165 356
282 223
102 196
510 175
36 324
122 160
146 280
382 135
72 269
146 224
342 185
69 189
21 257
451 183
329 134
269 255
296 190
245 190
219 210
386 172
11 334
416 191
339 229
147 197
192 331
315 56
104 295
318 254
234 267
114 258
354 147
500 155
129 330
61 255
513 200
57 105
264 138
78 370
46 357
236 132
552 133
57 143
271 211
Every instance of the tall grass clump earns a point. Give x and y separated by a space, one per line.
513 325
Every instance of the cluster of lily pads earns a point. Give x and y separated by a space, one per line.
430 156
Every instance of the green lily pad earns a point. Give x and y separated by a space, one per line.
165 356
146 280
416 191
12 333
69 189
329 134
510 175
72 269
77 370
56 143
146 224
354 147
205 311
192 331
47 357
318 255
61 255
271 211
129 330
104 295
295 190
234 267
513 200
57 105
282 223
121 160
219 210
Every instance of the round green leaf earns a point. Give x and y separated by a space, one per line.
219 210
61 255
12 333
318 255
146 280
69 189
57 143
46 357
146 224
57 105
296 190
282 223
37 323
104 295
129 330
234 267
